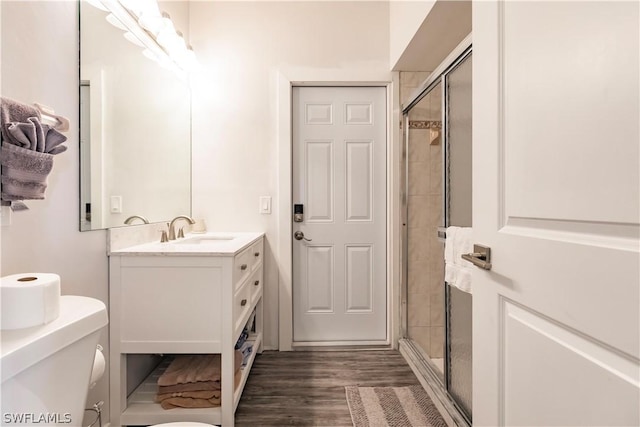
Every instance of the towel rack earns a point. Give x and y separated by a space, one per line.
50 117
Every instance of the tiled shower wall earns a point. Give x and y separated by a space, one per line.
425 255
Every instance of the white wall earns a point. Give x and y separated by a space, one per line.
243 46
40 63
405 18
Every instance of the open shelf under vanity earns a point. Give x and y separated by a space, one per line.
142 407
182 304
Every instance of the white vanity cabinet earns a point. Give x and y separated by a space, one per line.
174 298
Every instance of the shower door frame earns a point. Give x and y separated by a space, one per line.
426 373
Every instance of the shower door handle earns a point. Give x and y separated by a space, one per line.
480 257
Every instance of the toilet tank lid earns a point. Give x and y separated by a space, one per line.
182 424
22 348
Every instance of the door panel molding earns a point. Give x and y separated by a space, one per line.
319 188
357 113
319 114
554 128
562 344
358 282
320 281
602 234
359 179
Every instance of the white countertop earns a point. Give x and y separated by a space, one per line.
195 244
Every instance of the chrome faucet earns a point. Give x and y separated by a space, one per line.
172 230
132 218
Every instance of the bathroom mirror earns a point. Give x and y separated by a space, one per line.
135 128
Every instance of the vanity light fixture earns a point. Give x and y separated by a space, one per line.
146 26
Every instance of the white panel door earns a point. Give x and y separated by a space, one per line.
339 176
556 323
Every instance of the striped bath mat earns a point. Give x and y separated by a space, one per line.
392 406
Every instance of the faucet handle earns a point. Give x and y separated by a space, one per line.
163 236
181 233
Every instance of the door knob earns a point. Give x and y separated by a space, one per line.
480 257
299 235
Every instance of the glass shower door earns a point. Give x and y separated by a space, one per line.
437 194
425 254
458 188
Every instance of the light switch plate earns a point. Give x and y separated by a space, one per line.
265 205
116 204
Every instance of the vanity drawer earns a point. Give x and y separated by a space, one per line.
255 284
241 304
242 264
257 253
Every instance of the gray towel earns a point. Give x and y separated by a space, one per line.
34 135
28 134
20 134
22 126
52 141
27 152
24 173
14 111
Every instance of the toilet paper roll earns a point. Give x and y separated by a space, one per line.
98 368
29 299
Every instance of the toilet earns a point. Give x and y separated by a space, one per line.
46 369
182 424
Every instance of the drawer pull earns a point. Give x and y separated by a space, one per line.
243 267
256 283
257 254
243 302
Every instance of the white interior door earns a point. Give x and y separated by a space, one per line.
555 163
339 176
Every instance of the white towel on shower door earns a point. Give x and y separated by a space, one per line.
457 272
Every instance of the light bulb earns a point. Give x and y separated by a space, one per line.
149 7
167 23
164 37
151 21
171 41
111 19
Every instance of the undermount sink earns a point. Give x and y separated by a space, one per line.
199 240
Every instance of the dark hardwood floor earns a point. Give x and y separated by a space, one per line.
302 388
